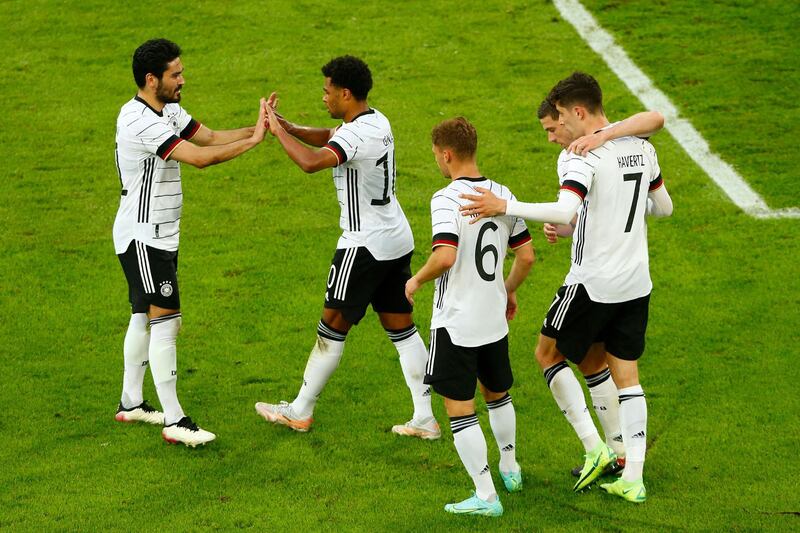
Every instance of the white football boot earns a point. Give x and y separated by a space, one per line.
426 429
141 413
185 431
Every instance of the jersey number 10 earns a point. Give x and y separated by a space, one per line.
385 162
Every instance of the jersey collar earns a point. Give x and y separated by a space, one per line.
367 112
470 179
142 101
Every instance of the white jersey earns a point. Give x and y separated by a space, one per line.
151 201
365 186
470 298
609 246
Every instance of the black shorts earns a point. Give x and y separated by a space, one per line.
575 321
453 371
356 279
152 276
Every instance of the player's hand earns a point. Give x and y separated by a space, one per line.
583 145
511 306
272 101
261 124
483 205
274 123
551 232
412 286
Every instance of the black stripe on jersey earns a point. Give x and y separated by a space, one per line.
442 289
168 208
352 200
144 192
576 187
581 159
337 149
168 146
515 241
581 240
656 183
147 128
445 196
447 239
190 130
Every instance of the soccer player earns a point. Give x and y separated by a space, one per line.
606 293
152 130
372 261
594 367
471 306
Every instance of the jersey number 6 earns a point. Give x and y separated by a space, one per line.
481 251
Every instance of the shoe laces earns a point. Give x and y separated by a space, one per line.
146 407
187 423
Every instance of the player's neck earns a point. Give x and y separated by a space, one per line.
464 169
152 100
357 109
594 123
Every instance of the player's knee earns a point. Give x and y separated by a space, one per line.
547 355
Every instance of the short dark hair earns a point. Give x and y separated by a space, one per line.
152 58
350 73
578 88
458 135
547 109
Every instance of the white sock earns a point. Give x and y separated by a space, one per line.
503 420
322 361
135 349
164 364
569 397
633 417
606 405
413 359
471 447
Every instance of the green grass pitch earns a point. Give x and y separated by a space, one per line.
720 372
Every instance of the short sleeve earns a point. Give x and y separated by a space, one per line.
578 175
519 235
655 174
154 136
187 124
345 143
444 219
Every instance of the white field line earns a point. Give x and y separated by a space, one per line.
723 174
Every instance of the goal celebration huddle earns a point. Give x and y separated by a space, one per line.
609 184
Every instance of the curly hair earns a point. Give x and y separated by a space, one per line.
152 58
350 73
458 135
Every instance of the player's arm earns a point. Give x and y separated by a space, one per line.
442 258
644 124
304 157
203 156
208 137
310 135
524 257
553 231
489 205
659 202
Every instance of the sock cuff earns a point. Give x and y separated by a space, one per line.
459 423
551 372
597 379
327 332
629 393
398 335
165 318
499 403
